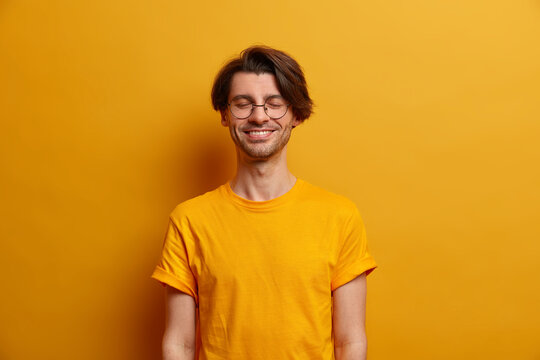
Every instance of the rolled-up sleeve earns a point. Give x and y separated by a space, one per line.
354 257
173 267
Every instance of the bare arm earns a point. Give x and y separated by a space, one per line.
179 337
350 341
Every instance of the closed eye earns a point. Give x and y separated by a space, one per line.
242 105
275 105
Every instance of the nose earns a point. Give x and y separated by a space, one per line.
258 115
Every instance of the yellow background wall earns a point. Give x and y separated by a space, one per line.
427 117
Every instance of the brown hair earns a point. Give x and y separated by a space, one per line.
263 59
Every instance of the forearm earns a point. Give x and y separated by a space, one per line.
180 326
178 351
354 350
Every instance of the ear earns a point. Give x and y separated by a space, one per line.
295 122
224 118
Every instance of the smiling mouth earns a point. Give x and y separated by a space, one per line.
258 132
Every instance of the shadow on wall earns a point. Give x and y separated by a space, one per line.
213 162
208 164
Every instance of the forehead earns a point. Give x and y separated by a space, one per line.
254 85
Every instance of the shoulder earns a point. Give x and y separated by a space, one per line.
196 206
332 202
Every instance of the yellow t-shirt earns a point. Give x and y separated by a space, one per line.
262 272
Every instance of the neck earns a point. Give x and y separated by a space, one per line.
261 180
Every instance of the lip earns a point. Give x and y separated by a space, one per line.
258 136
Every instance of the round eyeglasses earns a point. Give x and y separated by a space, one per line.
275 108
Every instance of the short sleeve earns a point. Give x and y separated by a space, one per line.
174 267
354 257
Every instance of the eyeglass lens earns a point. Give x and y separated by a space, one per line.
275 108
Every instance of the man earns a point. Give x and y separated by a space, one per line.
267 266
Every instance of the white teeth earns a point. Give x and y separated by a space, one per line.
260 132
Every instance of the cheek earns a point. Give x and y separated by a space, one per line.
290 124
234 132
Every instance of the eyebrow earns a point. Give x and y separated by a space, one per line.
250 98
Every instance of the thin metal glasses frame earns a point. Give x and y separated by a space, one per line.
253 108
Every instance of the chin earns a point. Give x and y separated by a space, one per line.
260 153
261 150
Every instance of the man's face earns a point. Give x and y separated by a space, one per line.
246 133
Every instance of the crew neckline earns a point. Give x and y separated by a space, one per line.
265 204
